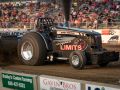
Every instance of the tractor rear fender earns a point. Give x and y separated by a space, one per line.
46 44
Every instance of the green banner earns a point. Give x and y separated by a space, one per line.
18 82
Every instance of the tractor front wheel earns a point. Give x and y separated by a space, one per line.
77 60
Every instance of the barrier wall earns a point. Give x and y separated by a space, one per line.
109 36
12 29
22 81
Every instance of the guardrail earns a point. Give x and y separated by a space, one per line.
91 25
23 25
83 25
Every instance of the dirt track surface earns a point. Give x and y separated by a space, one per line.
109 74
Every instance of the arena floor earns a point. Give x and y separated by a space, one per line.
109 74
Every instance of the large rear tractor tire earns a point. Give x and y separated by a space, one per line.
32 49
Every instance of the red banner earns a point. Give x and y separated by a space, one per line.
105 32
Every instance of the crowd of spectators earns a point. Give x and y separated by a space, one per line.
23 15
88 14
96 13
14 15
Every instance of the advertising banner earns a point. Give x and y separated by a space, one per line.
97 87
109 36
47 83
19 82
110 39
